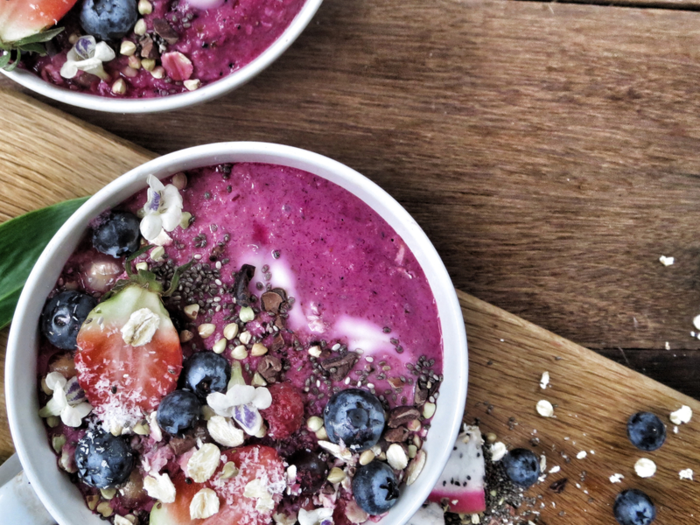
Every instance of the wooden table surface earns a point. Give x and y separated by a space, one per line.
551 151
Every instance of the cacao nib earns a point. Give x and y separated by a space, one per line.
339 366
402 416
269 367
271 302
277 343
241 283
148 48
396 435
559 485
165 31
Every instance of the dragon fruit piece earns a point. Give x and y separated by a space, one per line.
461 484
431 514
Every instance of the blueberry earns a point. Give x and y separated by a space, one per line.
206 372
633 507
63 315
178 411
117 234
356 417
522 466
646 431
103 461
311 470
108 19
375 487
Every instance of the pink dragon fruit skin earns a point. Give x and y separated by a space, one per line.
461 484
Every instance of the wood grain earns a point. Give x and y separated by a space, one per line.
550 151
49 157
594 396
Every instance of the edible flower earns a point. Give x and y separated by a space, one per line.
87 55
242 403
162 212
68 400
322 516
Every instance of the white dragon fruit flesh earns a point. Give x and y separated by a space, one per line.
461 484
430 514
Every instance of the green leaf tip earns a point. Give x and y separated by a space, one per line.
22 240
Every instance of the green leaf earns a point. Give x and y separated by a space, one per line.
15 62
39 49
44 36
4 59
22 240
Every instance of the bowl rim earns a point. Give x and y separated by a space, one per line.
205 93
24 329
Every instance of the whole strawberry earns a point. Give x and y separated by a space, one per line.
129 356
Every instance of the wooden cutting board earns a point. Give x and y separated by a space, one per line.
47 156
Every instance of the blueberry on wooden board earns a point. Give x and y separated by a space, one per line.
646 431
522 466
633 507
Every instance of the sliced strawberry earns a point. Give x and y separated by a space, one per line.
23 18
255 462
121 381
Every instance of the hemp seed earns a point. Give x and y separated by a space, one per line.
191 310
366 457
240 352
145 7
119 87
219 346
336 475
127 48
258 350
230 331
159 73
314 423
206 330
246 314
140 28
192 84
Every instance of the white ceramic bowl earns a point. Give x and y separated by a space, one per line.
150 105
61 497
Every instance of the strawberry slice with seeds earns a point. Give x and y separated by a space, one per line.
247 494
23 25
129 356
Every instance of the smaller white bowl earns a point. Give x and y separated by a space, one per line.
172 102
61 498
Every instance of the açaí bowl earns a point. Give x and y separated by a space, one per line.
62 498
208 92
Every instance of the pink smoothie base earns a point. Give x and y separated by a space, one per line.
353 279
62 501
220 76
217 41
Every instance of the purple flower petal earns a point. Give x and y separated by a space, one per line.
155 203
248 418
74 394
